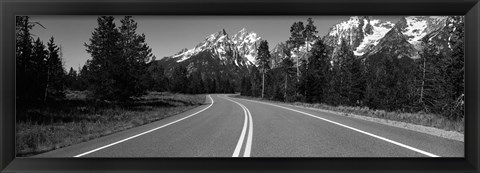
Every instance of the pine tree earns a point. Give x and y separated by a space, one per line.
309 33
296 40
136 54
72 81
83 76
400 78
118 69
201 89
256 81
304 80
72 74
429 77
274 85
36 71
456 67
179 79
287 70
195 83
350 76
246 86
105 68
354 78
55 73
263 60
440 74
213 84
157 74
318 73
23 54
341 73
389 82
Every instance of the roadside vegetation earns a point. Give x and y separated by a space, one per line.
77 119
308 71
118 88
122 85
419 118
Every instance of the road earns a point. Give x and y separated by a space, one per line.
233 127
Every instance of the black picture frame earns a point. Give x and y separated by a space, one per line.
9 8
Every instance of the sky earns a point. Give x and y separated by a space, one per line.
167 35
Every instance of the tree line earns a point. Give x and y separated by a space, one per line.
308 70
433 83
116 71
197 82
122 66
39 70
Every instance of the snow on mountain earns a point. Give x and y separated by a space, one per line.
278 54
359 32
442 36
243 44
247 44
218 42
348 25
417 27
405 38
363 34
301 51
350 31
394 44
374 30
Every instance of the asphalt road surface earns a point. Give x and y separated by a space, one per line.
233 127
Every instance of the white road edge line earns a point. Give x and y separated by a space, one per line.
126 139
248 145
357 130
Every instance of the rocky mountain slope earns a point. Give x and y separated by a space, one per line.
240 49
366 36
220 57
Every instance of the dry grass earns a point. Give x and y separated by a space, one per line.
76 120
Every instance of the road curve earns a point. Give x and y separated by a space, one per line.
226 127
289 131
212 132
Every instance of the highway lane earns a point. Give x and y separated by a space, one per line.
226 127
213 132
282 130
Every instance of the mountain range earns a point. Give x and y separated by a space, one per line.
225 55
240 49
219 57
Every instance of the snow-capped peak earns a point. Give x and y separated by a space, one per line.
354 21
211 42
374 30
246 44
243 44
417 27
359 32
364 33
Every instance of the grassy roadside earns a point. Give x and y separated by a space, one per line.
423 119
76 120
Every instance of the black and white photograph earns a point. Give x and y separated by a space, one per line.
162 86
